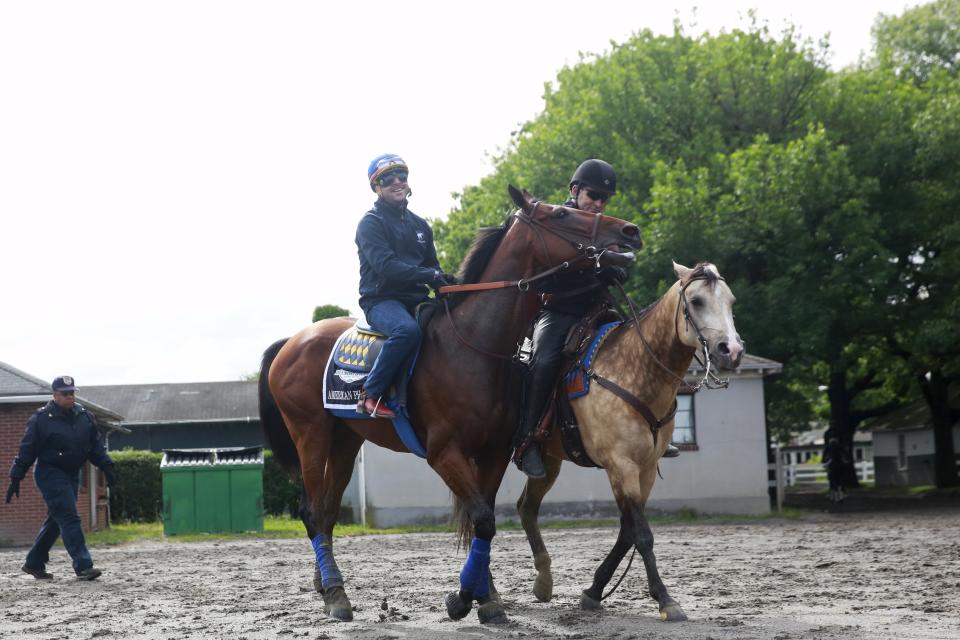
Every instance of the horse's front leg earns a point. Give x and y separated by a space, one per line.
591 597
631 486
458 473
528 507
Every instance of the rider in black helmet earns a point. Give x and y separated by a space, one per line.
568 298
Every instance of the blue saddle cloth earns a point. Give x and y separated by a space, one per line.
350 363
577 382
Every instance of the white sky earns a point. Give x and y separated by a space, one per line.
180 181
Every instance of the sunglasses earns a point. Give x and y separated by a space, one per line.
598 196
390 178
66 393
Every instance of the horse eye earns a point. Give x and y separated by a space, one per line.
560 213
696 301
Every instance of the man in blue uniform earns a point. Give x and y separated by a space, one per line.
398 262
569 297
61 436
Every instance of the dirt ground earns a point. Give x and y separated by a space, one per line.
864 575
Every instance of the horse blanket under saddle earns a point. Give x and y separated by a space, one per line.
575 384
350 362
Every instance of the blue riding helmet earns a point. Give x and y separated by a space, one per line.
384 163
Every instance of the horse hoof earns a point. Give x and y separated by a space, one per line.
588 603
672 613
491 612
337 605
456 607
543 588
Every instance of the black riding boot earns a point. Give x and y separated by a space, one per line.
548 337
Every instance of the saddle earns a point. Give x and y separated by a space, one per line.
582 342
351 361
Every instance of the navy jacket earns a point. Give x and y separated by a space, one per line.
60 439
397 256
575 293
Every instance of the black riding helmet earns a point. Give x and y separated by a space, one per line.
596 174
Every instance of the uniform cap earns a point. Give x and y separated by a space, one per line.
63 383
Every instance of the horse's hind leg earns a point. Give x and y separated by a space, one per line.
528 507
325 477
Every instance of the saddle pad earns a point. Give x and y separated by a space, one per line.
347 368
349 364
577 382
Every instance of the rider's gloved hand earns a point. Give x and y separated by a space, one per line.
443 279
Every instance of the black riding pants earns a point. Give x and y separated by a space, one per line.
549 334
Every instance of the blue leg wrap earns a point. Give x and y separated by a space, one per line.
475 576
329 572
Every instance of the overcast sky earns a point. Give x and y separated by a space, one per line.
180 182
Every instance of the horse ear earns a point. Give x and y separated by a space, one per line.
681 271
519 198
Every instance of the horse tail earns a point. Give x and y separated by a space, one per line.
461 517
271 420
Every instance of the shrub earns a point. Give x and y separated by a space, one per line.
136 495
281 491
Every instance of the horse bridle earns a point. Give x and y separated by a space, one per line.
523 284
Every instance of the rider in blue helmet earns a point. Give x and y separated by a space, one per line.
398 264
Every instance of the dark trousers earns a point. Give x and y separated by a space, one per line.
59 490
549 334
403 336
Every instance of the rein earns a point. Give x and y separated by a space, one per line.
523 284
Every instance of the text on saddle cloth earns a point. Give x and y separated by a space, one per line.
348 366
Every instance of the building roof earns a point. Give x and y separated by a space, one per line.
17 386
749 363
915 415
14 382
180 402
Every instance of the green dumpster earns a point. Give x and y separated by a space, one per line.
212 490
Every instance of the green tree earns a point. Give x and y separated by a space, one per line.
329 311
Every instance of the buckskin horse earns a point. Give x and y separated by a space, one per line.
626 419
463 398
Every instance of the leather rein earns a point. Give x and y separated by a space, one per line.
589 252
709 380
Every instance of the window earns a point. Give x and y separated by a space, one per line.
901 451
684 428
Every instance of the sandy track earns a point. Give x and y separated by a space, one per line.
888 575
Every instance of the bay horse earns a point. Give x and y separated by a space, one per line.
463 397
647 357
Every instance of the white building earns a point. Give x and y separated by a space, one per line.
722 467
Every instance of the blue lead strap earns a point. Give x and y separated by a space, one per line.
475 576
329 571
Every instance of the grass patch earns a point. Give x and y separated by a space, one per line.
277 527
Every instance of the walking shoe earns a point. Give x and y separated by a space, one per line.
376 408
89 574
39 574
531 462
671 452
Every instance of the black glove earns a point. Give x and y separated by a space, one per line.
109 475
614 274
443 279
13 489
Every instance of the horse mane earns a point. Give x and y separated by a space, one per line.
702 271
482 248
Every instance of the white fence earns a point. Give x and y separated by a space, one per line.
794 474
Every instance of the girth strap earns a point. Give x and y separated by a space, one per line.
638 405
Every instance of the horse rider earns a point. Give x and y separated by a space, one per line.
398 262
568 298
61 436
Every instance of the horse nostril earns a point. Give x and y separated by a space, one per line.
631 231
723 348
